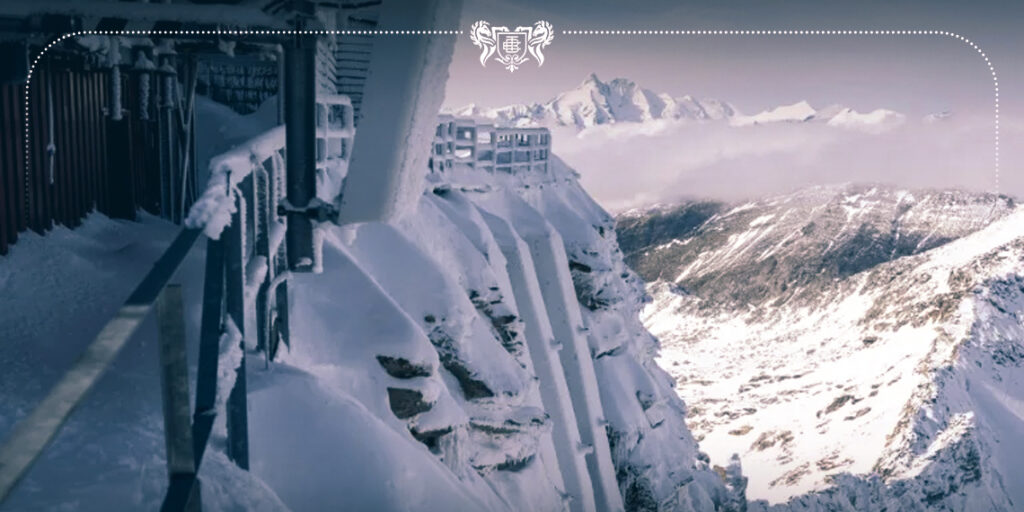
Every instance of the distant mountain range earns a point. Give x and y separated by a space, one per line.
595 102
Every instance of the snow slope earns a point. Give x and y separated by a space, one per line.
859 347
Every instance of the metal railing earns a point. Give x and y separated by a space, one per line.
244 310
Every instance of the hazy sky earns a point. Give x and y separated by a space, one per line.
915 75
923 72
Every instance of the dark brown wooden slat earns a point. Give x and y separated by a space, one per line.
101 102
15 183
65 160
35 153
82 151
61 92
94 140
55 187
87 143
45 187
5 165
12 163
77 139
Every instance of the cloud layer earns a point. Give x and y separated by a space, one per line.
629 165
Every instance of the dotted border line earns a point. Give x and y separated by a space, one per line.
945 33
51 44
36 60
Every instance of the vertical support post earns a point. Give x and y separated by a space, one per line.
168 147
282 330
174 382
279 330
263 217
121 189
209 345
237 413
181 462
300 139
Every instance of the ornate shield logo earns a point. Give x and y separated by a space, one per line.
511 46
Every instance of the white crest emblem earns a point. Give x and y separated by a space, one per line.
511 46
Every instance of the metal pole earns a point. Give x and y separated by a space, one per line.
174 383
237 408
300 141
174 387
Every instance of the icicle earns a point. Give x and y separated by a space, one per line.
114 59
144 66
169 92
51 146
243 229
144 96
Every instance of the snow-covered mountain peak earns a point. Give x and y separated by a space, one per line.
876 121
799 111
596 102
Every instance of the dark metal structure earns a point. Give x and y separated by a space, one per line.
117 136
70 176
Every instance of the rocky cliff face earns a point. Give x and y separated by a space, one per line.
656 462
494 334
858 347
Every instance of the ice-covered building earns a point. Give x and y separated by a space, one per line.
489 148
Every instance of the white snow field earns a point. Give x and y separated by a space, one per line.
898 386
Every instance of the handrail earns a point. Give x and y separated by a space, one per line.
33 433
245 297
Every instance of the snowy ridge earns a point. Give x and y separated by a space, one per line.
797 323
595 102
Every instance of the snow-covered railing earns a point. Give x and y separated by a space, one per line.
245 299
241 207
484 146
334 133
